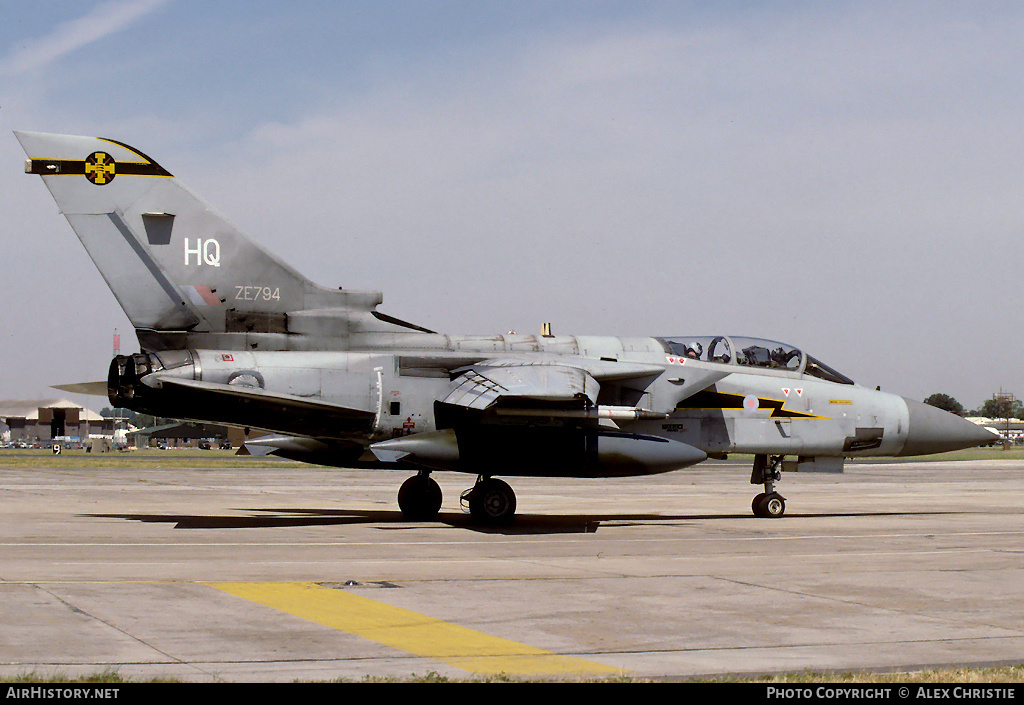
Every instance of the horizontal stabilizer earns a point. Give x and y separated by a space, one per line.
261 396
258 408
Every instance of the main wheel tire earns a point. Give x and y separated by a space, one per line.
492 502
419 498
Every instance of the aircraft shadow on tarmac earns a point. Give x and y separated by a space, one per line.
525 524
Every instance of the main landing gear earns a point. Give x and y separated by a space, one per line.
419 498
767 472
491 502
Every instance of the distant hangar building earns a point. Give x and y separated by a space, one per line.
43 419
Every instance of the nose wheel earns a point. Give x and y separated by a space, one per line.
768 504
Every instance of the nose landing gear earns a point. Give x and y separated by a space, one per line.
768 504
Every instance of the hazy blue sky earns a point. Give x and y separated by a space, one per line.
846 177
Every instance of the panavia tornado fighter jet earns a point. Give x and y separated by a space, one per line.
230 334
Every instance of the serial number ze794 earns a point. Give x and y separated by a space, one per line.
257 293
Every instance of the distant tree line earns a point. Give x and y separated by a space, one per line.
990 408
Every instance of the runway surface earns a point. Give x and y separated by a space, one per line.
271 574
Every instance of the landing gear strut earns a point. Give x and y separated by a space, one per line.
491 502
419 498
767 471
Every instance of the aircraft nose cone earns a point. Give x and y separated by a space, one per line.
933 430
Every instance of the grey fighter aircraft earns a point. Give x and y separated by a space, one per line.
230 334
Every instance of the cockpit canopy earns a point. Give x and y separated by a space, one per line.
750 352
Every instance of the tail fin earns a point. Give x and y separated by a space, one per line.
173 264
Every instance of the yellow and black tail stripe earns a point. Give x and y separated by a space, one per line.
726 401
99 167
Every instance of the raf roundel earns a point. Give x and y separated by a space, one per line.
100 168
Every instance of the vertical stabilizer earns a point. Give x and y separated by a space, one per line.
171 261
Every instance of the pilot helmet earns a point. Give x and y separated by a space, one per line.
697 348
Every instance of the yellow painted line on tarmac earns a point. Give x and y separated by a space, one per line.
412 632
